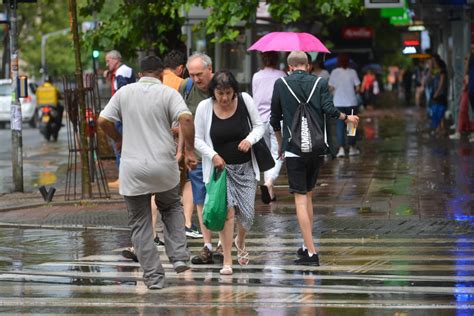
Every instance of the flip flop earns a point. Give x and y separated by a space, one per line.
266 198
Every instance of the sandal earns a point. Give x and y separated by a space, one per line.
242 255
226 270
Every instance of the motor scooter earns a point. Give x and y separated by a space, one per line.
49 121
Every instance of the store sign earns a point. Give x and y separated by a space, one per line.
411 42
356 33
380 4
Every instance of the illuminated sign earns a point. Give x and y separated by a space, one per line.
357 33
380 4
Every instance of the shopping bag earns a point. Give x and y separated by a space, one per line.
214 213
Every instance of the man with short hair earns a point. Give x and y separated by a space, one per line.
175 63
302 170
147 109
119 75
194 90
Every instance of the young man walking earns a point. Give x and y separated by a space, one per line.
302 169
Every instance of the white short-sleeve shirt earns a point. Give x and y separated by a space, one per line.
147 110
344 81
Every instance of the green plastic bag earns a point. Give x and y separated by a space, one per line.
214 213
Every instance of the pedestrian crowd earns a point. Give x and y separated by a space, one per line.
175 136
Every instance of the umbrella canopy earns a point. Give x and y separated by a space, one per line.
375 68
289 41
331 64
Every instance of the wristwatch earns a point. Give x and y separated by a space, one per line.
345 117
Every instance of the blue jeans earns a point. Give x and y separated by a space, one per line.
341 131
118 126
437 114
197 185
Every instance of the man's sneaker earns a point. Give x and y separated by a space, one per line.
471 138
193 232
218 254
341 153
129 253
301 253
158 242
204 257
306 260
455 136
354 151
180 266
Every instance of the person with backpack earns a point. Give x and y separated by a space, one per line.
303 101
194 90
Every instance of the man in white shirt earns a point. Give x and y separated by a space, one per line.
148 165
344 83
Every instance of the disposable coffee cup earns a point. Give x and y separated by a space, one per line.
351 129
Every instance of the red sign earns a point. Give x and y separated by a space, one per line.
357 33
411 43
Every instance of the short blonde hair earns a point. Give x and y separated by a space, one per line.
296 58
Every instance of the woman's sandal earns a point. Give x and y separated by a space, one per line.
242 255
226 270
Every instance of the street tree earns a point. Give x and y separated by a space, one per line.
37 19
143 25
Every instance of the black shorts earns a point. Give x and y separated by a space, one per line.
302 173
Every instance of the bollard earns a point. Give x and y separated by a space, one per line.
47 194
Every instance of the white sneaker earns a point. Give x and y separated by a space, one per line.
341 153
471 138
354 151
456 135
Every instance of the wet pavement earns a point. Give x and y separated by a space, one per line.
394 228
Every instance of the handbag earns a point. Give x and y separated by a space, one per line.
214 213
261 151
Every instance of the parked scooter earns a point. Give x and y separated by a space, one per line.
49 121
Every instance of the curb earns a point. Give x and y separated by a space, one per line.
61 203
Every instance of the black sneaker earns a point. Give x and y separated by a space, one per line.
193 232
204 257
301 253
129 253
158 241
308 261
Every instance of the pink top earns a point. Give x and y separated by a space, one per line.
262 90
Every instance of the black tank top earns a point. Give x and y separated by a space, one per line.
226 135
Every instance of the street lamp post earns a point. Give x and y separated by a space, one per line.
44 38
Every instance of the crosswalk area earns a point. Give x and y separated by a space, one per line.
357 276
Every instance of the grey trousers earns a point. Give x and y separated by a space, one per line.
140 222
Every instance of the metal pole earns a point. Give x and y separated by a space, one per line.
86 182
15 120
44 38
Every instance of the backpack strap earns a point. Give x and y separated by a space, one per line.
312 90
294 95
291 91
187 89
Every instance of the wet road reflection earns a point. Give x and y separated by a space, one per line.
59 271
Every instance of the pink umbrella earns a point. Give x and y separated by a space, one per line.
289 41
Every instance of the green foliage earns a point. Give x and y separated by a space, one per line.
37 19
130 26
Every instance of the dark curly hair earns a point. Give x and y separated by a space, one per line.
221 80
